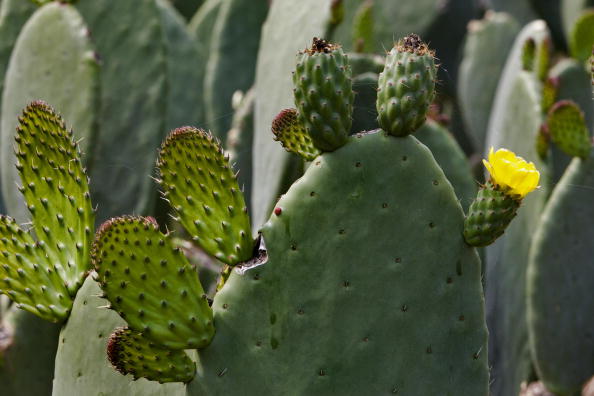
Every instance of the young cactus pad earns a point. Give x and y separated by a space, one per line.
200 185
290 132
130 352
324 94
56 190
406 87
150 283
369 287
568 129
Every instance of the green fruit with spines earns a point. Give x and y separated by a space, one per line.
323 94
406 87
489 215
150 283
130 352
568 130
290 132
202 188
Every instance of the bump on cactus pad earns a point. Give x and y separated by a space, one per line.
289 131
200 185
568 129
130 352
150 283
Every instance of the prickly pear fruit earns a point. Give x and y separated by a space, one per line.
130 352
323 94
150 283
200 185
289 131
406 87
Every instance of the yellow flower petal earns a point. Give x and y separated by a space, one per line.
512 173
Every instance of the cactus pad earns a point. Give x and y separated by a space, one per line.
131 353
488 216
568 129
150 283
203 190
56 190
581 39
324 95
349 308
290 132
406 87
28 276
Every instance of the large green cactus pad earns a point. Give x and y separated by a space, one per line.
131 353
560 281
354 309
67 78
150 283
200 185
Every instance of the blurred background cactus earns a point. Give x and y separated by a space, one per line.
508 74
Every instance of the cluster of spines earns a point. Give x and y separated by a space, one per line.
290 132
150 283
130 352
198 182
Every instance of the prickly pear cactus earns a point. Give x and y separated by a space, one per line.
429 312
560 284
289 28
67 78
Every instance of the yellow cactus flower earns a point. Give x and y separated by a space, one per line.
511 173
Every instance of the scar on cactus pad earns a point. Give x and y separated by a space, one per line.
497 202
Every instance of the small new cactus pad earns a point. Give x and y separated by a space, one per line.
28 275
150 283
549 93
56 190
581 39
290 132
43 277
488 216
406 87
529 54
323 94
130 352
568 129
200 185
